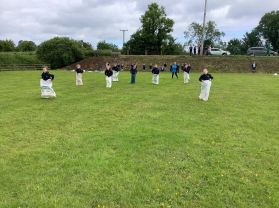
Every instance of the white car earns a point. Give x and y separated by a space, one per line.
219 52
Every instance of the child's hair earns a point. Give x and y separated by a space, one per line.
78 65
155 65
45 67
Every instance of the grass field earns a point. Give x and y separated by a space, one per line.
139 146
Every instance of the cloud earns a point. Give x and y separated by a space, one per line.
94 20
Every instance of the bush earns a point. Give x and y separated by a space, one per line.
7 46
25 46
60 51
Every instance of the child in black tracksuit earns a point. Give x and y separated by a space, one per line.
108 73
79 71
46 75
134 72
186 69
115 70
155 75
46 84
205 80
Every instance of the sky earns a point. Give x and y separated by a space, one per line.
95 20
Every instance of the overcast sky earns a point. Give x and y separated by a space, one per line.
94 20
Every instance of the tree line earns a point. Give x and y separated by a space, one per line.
154 37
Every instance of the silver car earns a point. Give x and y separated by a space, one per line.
219 52
260 51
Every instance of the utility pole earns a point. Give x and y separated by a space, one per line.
123 31
203 27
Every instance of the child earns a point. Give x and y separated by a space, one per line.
115 70
134 72
254 66
46 84
143 67
174 70
155 77
187 69
108 73
205 80
79 72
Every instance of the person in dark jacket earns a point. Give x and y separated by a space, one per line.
108 73
150 66
174 70
155 75
178 68
205 80
187 69
191 50
115 71
134 72
46 84
46 75
143 67
165 67
254 66
195 50
79 71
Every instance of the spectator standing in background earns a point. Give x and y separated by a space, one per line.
195 50
254 67
191 50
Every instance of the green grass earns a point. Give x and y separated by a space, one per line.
139 145
19 58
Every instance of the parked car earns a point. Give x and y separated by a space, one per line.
260 51
219 52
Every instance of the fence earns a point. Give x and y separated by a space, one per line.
14 67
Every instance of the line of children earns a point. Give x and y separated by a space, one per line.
155 75
79 71
108 74
46 84
205 79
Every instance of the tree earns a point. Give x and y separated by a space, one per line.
212 35
155 30
269 28
170 47
235 46
87 48
103 45
60 51
252 39
7 46
24 45
135 45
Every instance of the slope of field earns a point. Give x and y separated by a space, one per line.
220 64
19 58
136 146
